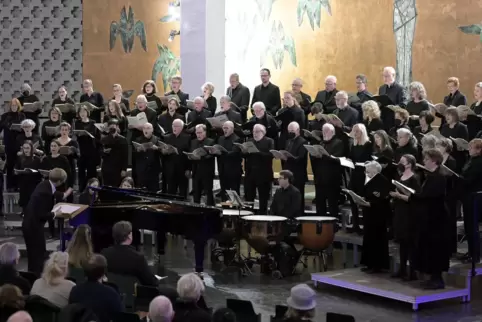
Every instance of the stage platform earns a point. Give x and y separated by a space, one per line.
384 286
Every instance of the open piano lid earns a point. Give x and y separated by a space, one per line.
128 198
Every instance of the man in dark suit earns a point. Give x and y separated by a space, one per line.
304 100
362 93
198 115
327 96
37 212
227 109
298 163
347 114
176 83
396 93
290 112
268 93
239 95
263 118
165 119
259 169
123 259
94 98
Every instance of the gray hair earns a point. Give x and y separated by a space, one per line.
417 86
295 125
261 127
190 287
429 141
260 105
209 86
28 122
373 165
201 126
298 80
26 88
141 98
9 253
332 78
229 123
342 94
391 70
198 99
404 131
181 122
479 85
160 309
329 126
225 98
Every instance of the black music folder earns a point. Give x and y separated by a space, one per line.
384 100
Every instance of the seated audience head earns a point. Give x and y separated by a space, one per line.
294 128
92 182
224 315
372 168
228 128
56 268
207 89
149 87
190 288
401 117
330 83
389 75
453 84
160 310
370 110
127 183
444 145
176 82
9 254
55 114
382 141
301 303
359 134
259 109
259 131
122 233
96 268
199 103
417 91
15 105
404 137
20 316
432 159
11 297
361 82
475 147
286 178
328 131
80 247
452 115
429 141
57 176
425 118
201 132
173 104
341 99
478 91
177 126
407 162
27 125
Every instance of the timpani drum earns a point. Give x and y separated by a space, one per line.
259 231
316 232
231 218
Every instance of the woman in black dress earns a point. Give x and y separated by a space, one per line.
149 89
27 134
27 181
360 152
211 102
417 104
383 153
28 97
121 100
401 122
89 146
114 111
64 99
404 221
375 256
455 129
407 144
72 153
88 196
425 119
55 117
431 255
371 117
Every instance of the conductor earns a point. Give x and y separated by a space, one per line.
37 212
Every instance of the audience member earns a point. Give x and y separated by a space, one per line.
160 310
301 304
124 259
190 288
80 247
53 286
103 300
11 298
20 316
224 315
9 256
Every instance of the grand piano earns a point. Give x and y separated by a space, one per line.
147 210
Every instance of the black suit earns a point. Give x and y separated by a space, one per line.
203 173
183 97
269 123
456 99
287 115
240 96
151 116
165 120
232 115
114 161
230 164
37 212
327 99
269 95
148 165
364 96
397 95
259 173
175 165
95 99
298 165
125 260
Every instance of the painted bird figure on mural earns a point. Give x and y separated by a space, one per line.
264 8
173 12
167 64
127 28
472 30
278 43
312 8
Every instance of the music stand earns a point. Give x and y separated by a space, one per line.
239 204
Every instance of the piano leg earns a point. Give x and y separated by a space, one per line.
199 247
61 222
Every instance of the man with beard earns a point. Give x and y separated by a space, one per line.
148 160
267 92
239 95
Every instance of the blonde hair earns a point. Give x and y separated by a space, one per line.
117 108
370 110
453 80
80 248
209 86
56 268
364 136
17 103
417 86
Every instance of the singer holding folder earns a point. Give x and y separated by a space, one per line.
37 212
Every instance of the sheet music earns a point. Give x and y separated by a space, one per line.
346 163
160 277
83 133
52 130
138 120
356 198
316 151
167 148
217 121
277 155
462 145
447 171
403 188
65 209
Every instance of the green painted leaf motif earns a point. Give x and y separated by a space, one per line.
140 31
290 47
300 11
167 18
317 14
114 31
471 29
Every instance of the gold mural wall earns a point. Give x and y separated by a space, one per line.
358 38
106 67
